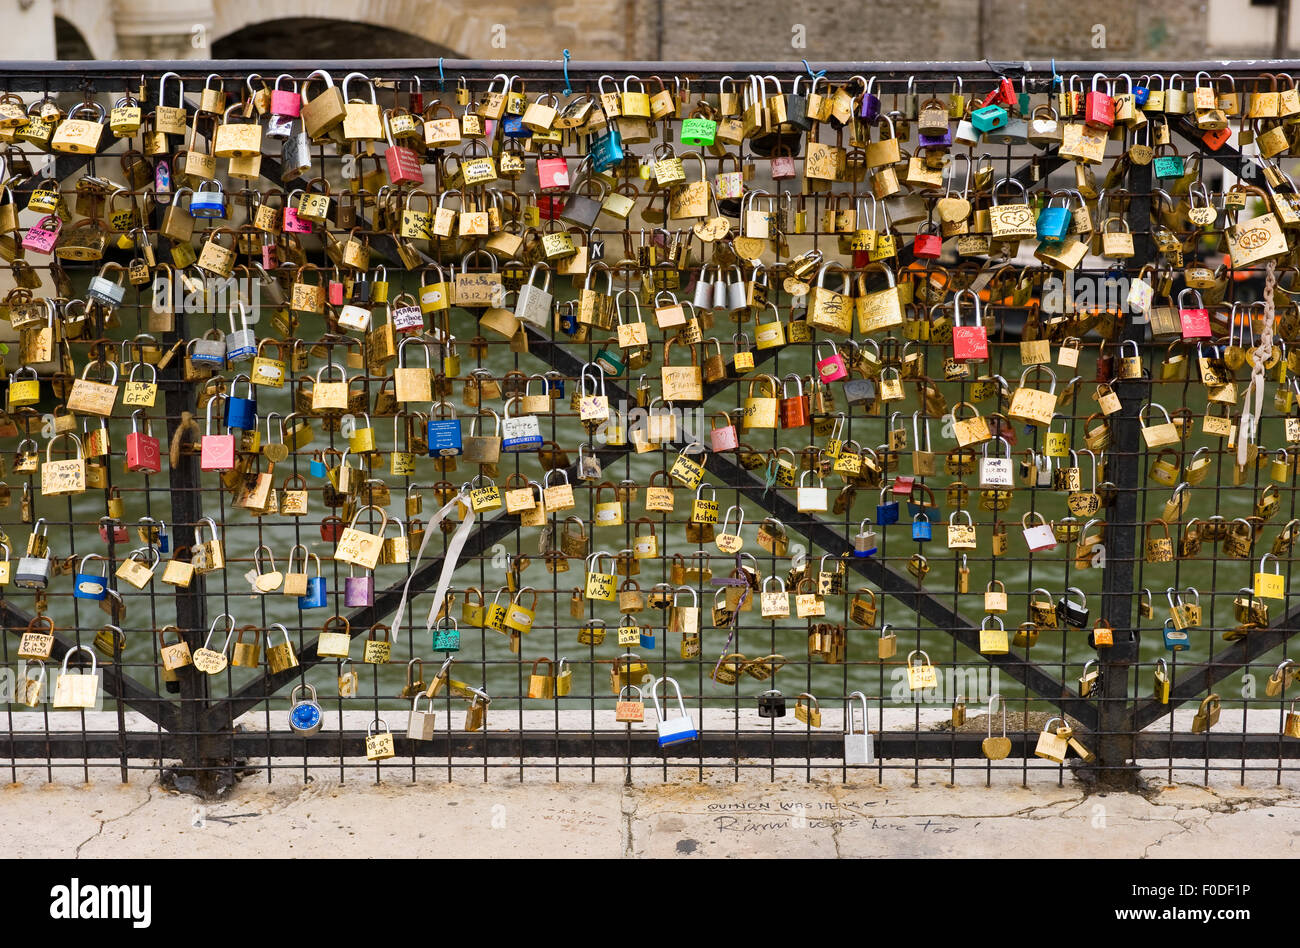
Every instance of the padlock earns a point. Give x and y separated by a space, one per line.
676 730
858 746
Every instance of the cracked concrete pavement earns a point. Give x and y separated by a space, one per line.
684 817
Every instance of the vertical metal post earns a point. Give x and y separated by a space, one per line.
1114 767
196 774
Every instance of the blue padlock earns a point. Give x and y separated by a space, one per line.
568 321
1053 223
164 545
1141 92
989 118
886 513
1176 640
315 597
241 412
444 433
205 203
555 385
446 637
921 530
647 638
512 126
317 466
90 585
606 150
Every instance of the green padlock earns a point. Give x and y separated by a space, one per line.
610 363
699 132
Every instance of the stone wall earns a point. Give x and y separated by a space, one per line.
818 30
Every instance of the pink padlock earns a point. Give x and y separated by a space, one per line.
286 102
553 174
44 234
782 164
293 224
724 438
270 259
832 368
334 293
216 451
1194 319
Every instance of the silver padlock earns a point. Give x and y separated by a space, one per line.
33 572
719 292
520 433
295 153
534 302
209 350
858 747
421 725
241 342
106 291
859 391
278 126
703 298
736 292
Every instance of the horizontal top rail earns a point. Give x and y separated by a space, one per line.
76 75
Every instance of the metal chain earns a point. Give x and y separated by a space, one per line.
1252 409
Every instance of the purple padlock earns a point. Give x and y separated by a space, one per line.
358 590
869 110
936 141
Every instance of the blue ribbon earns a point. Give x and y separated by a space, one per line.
568 88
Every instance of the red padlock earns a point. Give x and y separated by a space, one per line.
1215 137
405 166
553 173
1098 107
331 528
335 294
143 451
725 438
1195 319
119 531
969 343
794 410
549 207
832 368
927 245
216 451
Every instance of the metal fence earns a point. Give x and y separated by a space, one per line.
205 730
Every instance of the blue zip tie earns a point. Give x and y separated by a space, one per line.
442 77
568 87
819 74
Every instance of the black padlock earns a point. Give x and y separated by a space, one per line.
361 291
1073 614
771 704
